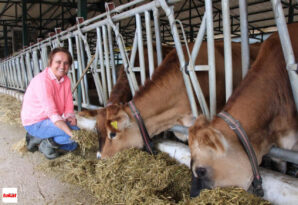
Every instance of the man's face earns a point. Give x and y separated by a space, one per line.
60 65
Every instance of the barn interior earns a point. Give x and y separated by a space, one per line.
27 25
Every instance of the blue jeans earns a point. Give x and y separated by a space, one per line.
47 129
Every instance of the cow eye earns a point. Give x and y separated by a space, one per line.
112 135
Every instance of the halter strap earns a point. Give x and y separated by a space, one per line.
242 136
142 127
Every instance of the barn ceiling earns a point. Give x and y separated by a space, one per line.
44 16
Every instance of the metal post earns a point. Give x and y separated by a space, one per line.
149 43
211 58
112 58
157 36
107 58
140 48
286 47
227 48
244 37
24 23
25 80
101 61
35 62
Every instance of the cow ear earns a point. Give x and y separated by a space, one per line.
117 118
122 121
211 139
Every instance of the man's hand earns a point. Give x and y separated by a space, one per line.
72 121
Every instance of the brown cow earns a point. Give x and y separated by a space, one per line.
163 101
263 104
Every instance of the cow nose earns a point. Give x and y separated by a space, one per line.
98 155
195 186
200 182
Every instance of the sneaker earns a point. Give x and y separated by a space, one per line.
49 148
32 142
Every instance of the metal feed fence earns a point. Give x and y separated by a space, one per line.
97 41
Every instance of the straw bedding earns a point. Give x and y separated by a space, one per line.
10 110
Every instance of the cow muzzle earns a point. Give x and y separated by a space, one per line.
98 155
198 184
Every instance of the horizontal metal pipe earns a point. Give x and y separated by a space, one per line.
287 155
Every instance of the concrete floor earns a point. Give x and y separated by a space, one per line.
33 185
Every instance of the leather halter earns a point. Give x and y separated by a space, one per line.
142 127
242 136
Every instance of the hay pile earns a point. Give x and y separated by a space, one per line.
86 139
130 177
227 196
135 177
10 109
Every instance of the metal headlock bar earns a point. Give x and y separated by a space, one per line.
17 71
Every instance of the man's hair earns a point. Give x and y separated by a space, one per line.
56 50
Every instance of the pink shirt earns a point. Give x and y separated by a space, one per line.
46 97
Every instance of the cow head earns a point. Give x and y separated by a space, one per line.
117 131
216 161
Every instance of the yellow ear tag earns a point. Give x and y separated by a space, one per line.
115 124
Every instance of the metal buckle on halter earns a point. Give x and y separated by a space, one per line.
234 125
257 187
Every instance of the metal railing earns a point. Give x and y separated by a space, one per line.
97 36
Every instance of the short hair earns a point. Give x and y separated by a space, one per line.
56 50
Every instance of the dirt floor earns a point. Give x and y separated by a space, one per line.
34 186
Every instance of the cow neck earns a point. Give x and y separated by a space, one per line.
256 102
142 128
160 108
242 136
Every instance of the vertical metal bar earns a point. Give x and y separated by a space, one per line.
101 61
140 48
24 73
107 60
170 14
157 36
244 36
72 72
134 50
11 83
199 39
149 43
84 81
35 62
44 56
24 23
28 67
112 59
79 57
227 48
19 74
13 73
286 47
211 58
192 74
